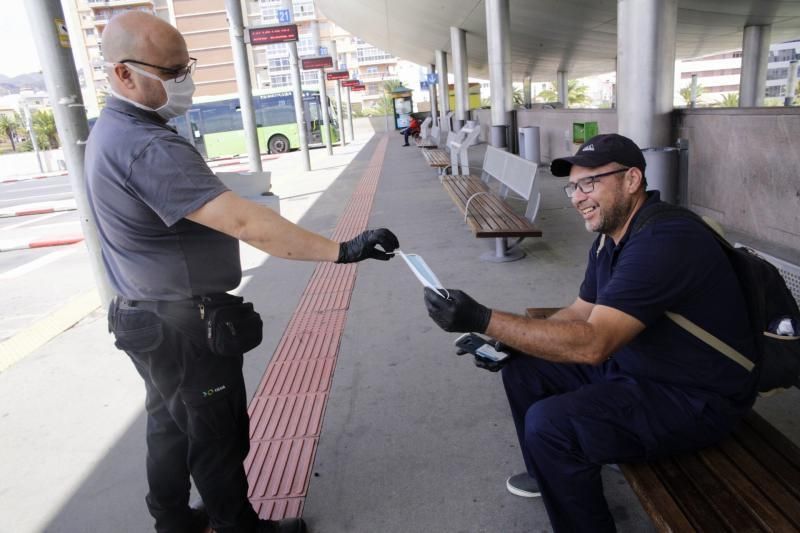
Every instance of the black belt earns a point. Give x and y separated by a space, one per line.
155 305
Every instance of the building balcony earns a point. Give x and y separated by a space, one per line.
119 3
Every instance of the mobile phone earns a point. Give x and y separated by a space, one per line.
480 347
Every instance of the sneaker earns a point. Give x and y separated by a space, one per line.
406 145
287 525
523 485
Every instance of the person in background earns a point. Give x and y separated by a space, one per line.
411 130
169 232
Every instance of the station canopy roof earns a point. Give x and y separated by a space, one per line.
579 36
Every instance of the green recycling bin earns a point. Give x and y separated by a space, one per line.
583 131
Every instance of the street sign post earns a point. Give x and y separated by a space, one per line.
337 75
273 34
312 63
350 83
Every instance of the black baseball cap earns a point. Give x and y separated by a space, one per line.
601 150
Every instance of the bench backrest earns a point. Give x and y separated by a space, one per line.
459 149
514 174
424 129
435 135
444 122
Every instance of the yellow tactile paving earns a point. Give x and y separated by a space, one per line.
33 337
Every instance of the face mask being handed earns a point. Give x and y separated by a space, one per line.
179 95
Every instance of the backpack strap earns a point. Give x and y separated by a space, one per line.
663 210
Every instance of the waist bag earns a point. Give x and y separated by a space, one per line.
233 327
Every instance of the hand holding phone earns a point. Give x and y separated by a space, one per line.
486 355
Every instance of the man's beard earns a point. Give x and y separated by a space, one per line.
614 218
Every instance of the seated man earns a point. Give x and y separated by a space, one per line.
412 129
610 379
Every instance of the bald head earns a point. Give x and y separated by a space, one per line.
143 37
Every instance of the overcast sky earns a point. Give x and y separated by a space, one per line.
18 54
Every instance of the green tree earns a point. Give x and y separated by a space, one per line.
576 94
383 106
729 100
8 127
44 127
686 94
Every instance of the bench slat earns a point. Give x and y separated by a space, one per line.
772 458
655 498
436 158
723 461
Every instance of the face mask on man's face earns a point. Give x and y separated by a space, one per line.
179 95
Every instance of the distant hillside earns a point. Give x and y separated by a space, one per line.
11 85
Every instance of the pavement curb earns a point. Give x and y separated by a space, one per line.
40 243
42 211
37 177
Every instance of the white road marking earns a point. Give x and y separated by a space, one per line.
40 187
36 263
26 198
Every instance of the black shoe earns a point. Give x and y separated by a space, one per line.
406 144
198 519
287 525
523 485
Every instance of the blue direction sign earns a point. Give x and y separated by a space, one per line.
433 77
424 85
284 16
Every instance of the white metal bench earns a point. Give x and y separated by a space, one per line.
487 213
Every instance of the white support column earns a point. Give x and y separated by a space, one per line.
526 91
458 45
434 105
562 87
791 84
498 40
755 52
646 69
444 88
323 91
339 111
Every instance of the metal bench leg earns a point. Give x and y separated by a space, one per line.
502 253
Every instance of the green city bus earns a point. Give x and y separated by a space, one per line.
217 131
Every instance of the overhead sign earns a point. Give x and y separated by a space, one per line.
424 85
317 62
433 77
323 50
273 34
350 83
284 16
63 34
358 88
337 75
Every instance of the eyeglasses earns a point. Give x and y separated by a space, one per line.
178 74
586 184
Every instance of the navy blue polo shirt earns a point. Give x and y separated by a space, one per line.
143 179
674 265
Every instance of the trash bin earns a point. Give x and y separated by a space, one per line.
583 131
529 143
662 171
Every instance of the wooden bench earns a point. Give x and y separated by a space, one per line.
444 159
748 482
487 213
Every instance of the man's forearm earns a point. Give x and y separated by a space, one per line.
554 339
277 236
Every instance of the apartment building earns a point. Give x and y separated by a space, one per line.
718 74
204 25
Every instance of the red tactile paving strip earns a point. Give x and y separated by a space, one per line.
287 411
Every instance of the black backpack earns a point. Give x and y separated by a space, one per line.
777 358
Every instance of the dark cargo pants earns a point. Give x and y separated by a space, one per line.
197 421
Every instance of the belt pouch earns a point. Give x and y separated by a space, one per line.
233 327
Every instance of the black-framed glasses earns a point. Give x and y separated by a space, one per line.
178 74
586 184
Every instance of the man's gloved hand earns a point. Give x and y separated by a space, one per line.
363 246
458 313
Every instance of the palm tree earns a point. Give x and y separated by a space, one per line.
44 127
8 126
729 100
576 94
686 94
383 106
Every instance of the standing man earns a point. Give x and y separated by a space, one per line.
169 231
611 378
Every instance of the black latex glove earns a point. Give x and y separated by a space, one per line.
486 364
363 246
459 312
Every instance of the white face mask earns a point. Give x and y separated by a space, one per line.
179 95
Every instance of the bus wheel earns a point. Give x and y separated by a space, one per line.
278 144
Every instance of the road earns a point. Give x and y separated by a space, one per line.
37 281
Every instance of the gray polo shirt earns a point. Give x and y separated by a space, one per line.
143 179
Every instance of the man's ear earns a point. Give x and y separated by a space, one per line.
123 74
633 179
